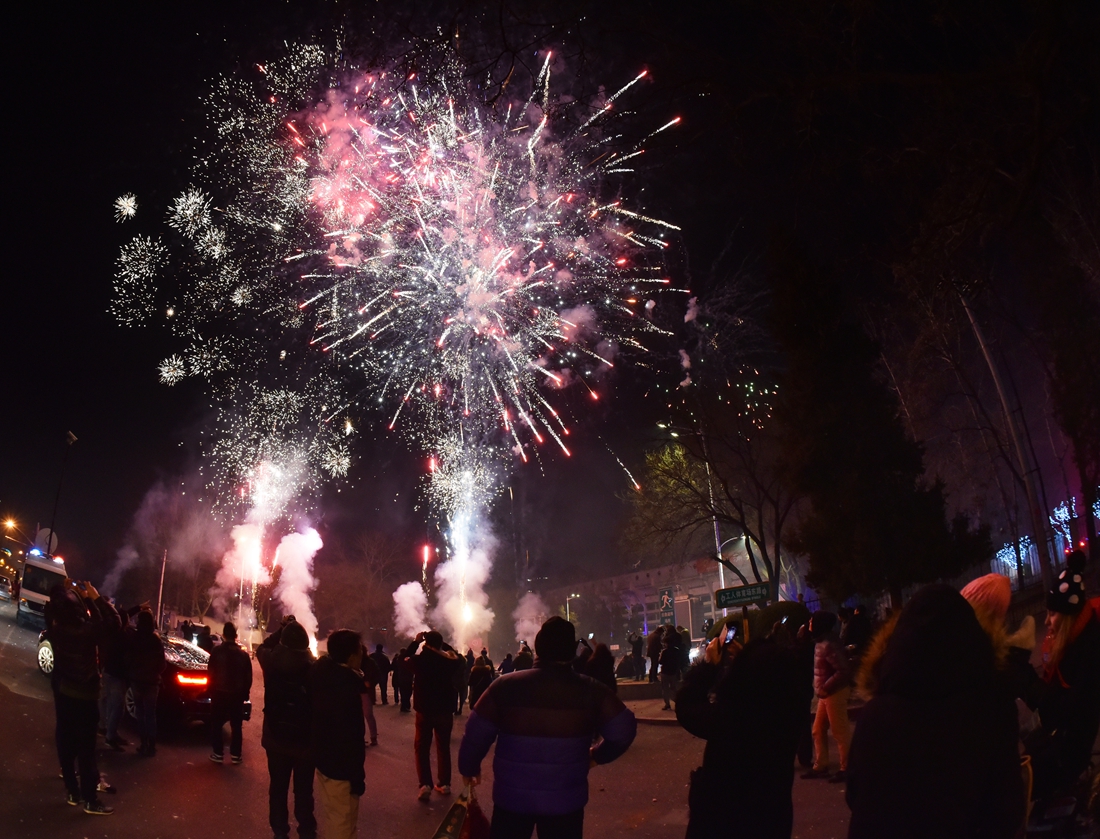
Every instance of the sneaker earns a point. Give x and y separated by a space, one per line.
443 789
839 778
424 794
236 760
98 808
73 800
217 758
814 773
105 786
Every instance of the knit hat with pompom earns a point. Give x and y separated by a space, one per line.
1067 596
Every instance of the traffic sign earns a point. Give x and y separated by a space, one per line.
724 598
666 606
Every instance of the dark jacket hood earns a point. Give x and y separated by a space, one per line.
937 648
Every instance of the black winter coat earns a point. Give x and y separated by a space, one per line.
230 671
337 730
287 706
75 648
935 752
752 730
144 653
434 689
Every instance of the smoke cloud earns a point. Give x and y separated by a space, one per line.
529 617
410 605
294 590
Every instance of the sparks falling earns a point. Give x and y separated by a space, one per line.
363 237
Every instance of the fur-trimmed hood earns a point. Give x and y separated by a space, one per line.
867 680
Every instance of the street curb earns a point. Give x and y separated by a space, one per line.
657 721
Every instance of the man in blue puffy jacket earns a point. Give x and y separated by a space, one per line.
545 719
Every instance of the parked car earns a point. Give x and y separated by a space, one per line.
184 693
5 588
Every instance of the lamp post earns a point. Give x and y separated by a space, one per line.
570 597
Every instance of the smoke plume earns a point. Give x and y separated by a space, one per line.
410 604
529 616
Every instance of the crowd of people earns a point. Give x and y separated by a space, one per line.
938 739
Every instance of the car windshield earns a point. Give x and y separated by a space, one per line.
39 580
185 655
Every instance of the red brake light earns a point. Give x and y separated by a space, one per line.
185 679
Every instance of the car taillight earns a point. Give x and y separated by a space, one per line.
185 679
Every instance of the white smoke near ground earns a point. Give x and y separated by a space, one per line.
410 606
242 569
294 590
462 604
529 617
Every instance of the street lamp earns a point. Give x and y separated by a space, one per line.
570 597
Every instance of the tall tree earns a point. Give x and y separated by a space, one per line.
873 522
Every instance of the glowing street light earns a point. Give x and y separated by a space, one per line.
570 597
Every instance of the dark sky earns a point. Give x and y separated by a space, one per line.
833 125
109 103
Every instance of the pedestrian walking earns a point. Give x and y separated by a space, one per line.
144 665
671 662
205 639
434 701
338 732
832 687
393 670
507 665
368 672
1069 703
481 676
525 660
544 721
750 706
114 683
403 680
601 667
461 676
383 664
653 651
79 620
230 681
936 749
285 660
637 647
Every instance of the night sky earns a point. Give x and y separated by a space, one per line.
110 104
104 100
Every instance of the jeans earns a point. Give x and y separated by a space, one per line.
639 667
670 684
145 698
368 714
223 710
340 806
439 726
77 720
112 702
832 712
280 767
382 687
509 825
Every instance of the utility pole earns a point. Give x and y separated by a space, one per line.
70 438
160 591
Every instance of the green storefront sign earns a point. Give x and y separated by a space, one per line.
726 598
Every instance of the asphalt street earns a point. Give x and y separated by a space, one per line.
180 794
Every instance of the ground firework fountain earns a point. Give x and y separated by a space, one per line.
373 236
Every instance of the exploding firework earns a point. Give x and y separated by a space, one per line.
125 207
364 237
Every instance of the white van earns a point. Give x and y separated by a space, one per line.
40 574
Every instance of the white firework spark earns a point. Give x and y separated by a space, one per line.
125 207
451 262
